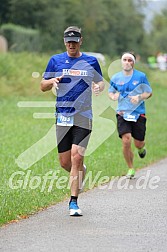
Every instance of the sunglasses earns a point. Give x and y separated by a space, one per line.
129 60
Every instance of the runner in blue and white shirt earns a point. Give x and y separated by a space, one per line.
74 75
130 88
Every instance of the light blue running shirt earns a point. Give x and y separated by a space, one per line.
127 86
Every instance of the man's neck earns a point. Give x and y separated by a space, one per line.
77 55
128 73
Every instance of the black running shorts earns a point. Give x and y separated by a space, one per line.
78 134
137 129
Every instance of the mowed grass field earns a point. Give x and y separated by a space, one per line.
26 190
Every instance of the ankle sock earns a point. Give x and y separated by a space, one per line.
73 198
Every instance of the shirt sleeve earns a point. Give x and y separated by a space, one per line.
112 88
50 70
97 73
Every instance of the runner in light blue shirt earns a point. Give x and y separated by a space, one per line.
130 88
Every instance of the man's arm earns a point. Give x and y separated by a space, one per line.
140 97
144 96
48 84
101 85
98 87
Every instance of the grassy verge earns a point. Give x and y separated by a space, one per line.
25 191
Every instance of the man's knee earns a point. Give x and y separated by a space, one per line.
77 153
65 162
126 139
139 144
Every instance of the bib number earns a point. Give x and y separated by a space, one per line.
130 117
65 120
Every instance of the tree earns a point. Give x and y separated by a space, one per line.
158 34
47 16
109 27
4 11
125 27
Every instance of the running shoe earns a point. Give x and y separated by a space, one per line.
83 184
142 153
131 173
74 209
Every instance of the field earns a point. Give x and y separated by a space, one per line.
31 178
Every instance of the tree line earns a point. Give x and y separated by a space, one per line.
108 26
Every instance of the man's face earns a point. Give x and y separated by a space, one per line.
73 48
127 64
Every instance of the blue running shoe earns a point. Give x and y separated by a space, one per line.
74 209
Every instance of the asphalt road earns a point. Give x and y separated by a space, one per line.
120 217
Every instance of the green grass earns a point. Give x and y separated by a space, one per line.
19 131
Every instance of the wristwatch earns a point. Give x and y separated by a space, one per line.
140 97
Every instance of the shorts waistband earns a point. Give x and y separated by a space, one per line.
121 114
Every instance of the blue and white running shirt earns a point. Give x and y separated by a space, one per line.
75 88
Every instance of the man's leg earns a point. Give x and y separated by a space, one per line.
127 151
140 146
139 130
72 161
124 130
128 154
76 178
77 169
65 160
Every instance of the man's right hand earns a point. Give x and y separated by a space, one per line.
49 84
56 81
114 96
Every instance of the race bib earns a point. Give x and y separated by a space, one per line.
65 120
130 117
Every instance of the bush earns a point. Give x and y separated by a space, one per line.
20 38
